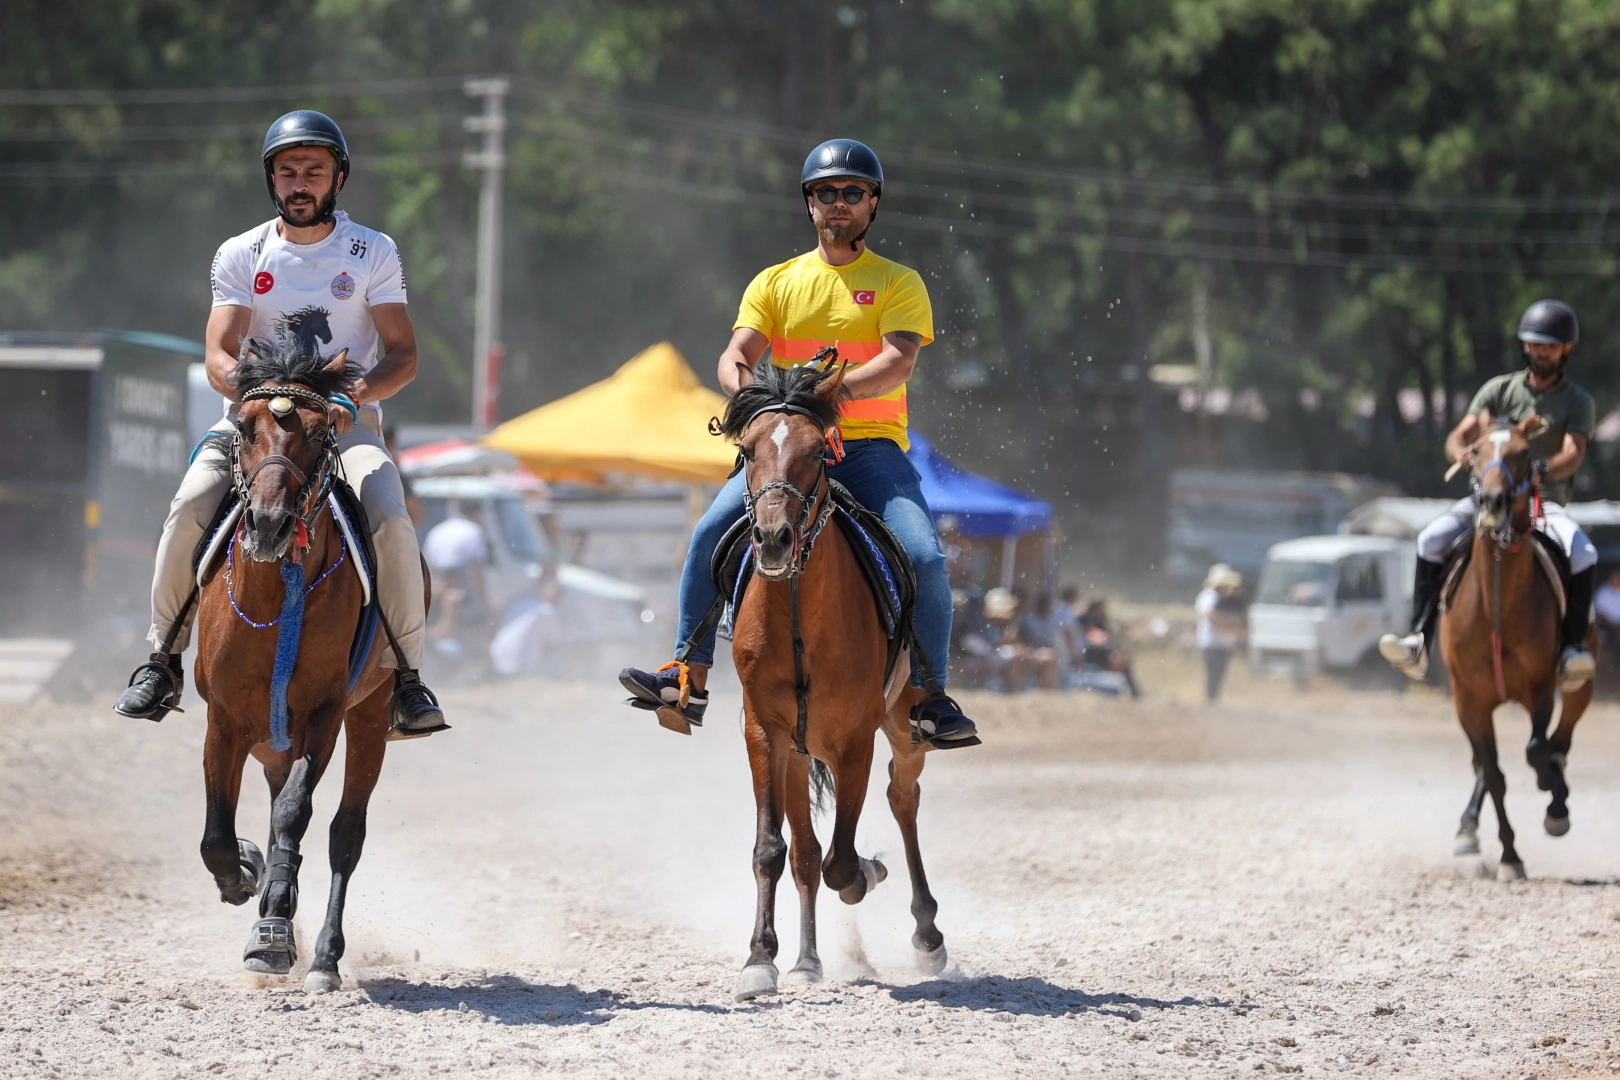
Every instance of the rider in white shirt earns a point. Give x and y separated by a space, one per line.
314 276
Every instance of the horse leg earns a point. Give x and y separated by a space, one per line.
276 768
904 794
237 865
844 869
271 949
1468 829
1482 735
366 739
767 762
805 856
1548 762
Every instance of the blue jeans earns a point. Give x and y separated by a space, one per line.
878 473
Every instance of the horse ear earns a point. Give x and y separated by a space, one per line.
745 374
338 363
1532 426
830 388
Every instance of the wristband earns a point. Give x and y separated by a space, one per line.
343 400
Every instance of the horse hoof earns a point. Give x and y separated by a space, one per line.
252 860
931 962
1510 871
802 975
758 980
322 982
270 949
1556 826
872 872
1467 844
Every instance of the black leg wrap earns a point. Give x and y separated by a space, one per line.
284 864
1578 615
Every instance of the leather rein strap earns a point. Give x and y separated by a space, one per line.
312 491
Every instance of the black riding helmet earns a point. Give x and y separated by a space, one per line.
841 159
1549 322
305 127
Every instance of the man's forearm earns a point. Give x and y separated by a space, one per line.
392 374
884 373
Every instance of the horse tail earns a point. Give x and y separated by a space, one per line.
821 785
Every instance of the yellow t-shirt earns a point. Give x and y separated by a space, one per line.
803 305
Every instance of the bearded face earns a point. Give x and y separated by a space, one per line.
306 185
838 223
1545 359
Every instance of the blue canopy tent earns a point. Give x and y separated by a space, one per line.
984 509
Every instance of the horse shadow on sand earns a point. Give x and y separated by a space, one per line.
1037 997
513 1001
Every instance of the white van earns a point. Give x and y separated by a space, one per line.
1324 601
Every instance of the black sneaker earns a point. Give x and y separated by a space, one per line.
939 721
660 692
415 711
154 689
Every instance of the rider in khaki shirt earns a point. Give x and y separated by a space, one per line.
1548 332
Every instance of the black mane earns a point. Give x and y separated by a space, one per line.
291 363
774 387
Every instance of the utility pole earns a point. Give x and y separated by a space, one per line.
491 160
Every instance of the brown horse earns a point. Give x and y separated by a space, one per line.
806 573
282 459
1500 636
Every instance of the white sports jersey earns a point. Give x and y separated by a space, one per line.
322 292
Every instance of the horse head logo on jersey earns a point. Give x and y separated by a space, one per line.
304 326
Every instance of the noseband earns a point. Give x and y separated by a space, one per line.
312 490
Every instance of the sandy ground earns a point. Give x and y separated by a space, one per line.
559 886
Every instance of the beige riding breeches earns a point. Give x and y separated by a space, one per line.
369 470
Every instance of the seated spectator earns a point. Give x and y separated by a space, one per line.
1607 605
456 550
1022 662
1103 648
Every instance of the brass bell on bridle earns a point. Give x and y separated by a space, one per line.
281 405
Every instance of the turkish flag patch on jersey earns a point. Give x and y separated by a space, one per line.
865 296
263 282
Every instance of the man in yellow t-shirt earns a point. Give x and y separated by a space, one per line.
877 314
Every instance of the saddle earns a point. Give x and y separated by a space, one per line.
350 517
1549 556
883 562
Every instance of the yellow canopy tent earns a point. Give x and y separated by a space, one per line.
650 418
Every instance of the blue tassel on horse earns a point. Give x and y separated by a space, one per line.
287 635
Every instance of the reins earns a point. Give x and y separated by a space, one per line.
313 491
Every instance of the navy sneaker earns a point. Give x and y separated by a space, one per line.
660 692
939 721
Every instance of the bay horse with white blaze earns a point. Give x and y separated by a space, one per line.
1499 632
806 628
258 625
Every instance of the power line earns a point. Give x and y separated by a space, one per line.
215 94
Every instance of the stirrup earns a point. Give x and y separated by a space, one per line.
1576 667
407 682
170 702
919 736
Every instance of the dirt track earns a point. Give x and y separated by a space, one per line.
561 886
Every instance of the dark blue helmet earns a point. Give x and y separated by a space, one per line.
305 127
837 158
1549 322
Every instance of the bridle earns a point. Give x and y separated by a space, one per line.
313 489
1505 535
810 523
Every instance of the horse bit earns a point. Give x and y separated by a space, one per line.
313 490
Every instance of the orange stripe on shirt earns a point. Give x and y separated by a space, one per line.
798 350
892 409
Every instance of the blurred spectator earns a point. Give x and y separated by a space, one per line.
456 550
1607 605
1103 648
1221 624
992 649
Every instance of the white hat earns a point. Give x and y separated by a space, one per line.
1221 576
1000 604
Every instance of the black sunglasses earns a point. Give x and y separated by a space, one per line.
829 194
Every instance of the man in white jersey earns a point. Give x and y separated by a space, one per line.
313 275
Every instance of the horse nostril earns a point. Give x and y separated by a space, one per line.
784 535
759 535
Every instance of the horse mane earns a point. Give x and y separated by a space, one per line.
778 387
290 362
